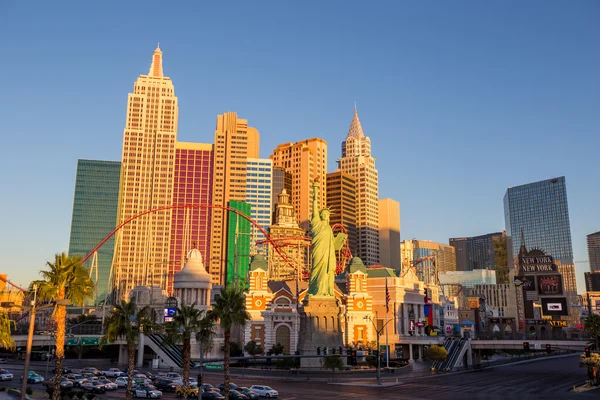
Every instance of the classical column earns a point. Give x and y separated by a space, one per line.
410 353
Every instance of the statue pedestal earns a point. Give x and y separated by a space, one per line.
320 326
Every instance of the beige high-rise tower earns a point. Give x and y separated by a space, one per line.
142 246
389 233
235 142
357 161
305 160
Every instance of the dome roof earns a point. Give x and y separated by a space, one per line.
193 274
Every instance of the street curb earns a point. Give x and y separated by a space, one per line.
368 384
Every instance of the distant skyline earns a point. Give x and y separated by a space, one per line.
461 100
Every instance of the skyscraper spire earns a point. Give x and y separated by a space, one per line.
355 127
156 69
523 248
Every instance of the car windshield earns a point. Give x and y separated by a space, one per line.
268 388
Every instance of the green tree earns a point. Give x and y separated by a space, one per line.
333 363
188 321
6 340
501 256
229 309
276 349
592 325
65 279
436 353
253 349
124 321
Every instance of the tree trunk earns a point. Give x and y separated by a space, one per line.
226 360
131 361
187 350
60 317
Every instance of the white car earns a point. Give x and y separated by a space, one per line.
108 384
147 391
5 375
121 381
113 372
265 391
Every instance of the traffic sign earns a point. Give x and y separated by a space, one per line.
91 341
72 341
215 367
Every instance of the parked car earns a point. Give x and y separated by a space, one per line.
232 386
65 383
5 375
66 370
207 386
108 384
235 395
147 391
249 393
93 371
173 375
191 392
212 395
112 372
265 391
166 385
121 381
3 360
93 386
77 379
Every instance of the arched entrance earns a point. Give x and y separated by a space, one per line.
282 336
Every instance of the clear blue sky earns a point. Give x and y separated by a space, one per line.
460 99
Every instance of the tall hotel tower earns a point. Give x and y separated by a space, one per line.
142 246
357 161
235 143
190 227
305 160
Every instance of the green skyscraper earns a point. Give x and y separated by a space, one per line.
94 216
238 243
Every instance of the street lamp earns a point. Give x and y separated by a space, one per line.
33 310
378 332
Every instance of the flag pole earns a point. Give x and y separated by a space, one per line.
387 309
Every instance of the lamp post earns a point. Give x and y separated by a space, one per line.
33 310
518 284
378 332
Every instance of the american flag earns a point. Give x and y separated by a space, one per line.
387 298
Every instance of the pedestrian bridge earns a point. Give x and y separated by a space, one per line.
576 345
48 340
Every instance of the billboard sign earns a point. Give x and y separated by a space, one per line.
169 314
561 324
549 285
473 302
554 306
537 264
528 282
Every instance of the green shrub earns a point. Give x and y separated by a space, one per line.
71 394
90 396
29 391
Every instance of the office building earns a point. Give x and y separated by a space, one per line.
305 161
468 279
593 245
259 181
281 180
389 234
476 252
192 186
537 219
357 161
142 246
235 143
341 198
592 281
95 206
427 258
238 243
500 299
291 241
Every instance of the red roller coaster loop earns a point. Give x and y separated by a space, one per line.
193 206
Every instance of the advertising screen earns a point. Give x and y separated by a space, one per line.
549 285
169 313
555 306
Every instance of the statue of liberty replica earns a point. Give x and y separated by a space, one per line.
320 313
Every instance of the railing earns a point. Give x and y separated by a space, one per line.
172 351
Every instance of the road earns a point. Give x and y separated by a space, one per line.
546 379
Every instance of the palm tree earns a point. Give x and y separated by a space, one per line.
229 309
187 321
124 321
6 340
592 325
66 279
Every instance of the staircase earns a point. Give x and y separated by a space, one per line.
170 354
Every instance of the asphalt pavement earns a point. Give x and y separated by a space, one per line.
544 379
